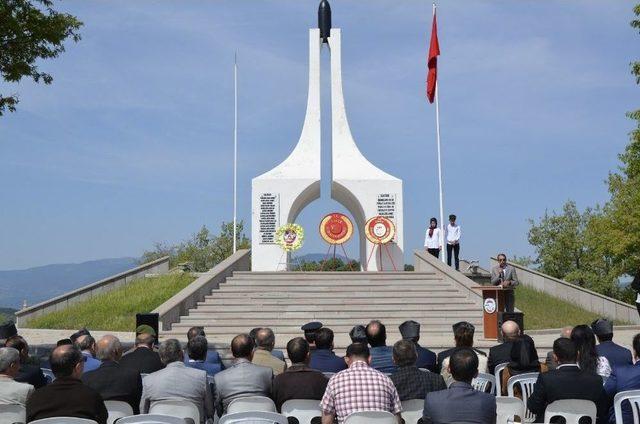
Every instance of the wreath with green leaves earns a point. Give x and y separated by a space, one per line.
290 237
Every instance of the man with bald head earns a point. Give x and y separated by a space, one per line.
112 381
381 354
66 396
550 361
265 341
502 353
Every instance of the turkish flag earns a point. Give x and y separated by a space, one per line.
432 61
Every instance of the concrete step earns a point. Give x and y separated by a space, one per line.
209 319
332 308
447 294
315 302
416 289
279 327
252 282
341 276
208 311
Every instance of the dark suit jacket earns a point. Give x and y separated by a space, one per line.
66 397
143 360
382 359
459 404
615 354
498 355
326 361
566 382
621 379
115 382
411 383
426 358
31 374
298 382
446 353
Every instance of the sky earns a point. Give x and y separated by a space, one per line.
132 144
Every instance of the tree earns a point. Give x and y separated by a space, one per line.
31 30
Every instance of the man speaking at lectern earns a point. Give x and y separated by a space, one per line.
505 275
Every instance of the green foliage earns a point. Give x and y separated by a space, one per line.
116 310
332 264
31 30
203 250
522 260
408 267
7 314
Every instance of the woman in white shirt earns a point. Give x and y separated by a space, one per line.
432 239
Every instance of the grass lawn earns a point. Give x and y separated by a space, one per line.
544 311
116 310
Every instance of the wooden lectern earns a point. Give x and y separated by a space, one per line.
492 305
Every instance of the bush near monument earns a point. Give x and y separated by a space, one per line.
332 264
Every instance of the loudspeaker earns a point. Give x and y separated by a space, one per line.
518 317
150 320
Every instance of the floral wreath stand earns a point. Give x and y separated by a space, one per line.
289 237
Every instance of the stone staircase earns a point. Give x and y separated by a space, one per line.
284 301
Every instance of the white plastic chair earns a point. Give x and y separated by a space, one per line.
151 419
13 414
371 417
497 373
302 409
526 382
633 396
48 375
117 409
483 380
507 408
571 409
64 420
176 408
250 404
253 417
412 410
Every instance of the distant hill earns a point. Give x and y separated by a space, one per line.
40 283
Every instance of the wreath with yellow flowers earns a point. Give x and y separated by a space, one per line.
290 237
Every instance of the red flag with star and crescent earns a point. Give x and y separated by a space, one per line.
432 61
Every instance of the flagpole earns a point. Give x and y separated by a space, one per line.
437 89
235 149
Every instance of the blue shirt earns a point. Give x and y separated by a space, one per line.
211 369
326 361
90 363
382 359
212 358
615 354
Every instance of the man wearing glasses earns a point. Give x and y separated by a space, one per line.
505 275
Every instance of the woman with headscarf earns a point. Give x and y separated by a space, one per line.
433 239
524 359
588 360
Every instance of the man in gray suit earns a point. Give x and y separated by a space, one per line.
243 378
177 381
505 275
12 392
460 403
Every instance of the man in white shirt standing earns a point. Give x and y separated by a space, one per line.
453 241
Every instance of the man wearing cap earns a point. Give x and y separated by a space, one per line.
615 354
358 334
310 329
410 330
143 358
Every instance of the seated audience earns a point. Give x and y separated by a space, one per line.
501 353
197 349
323 359
66 396
275 352
410 330
567 381
29 374
549 362
460 403
265 340
75 336
588 360
87 345
381 354
212 357
298 381
177 381
111 380
463 334
524 359
12 392
143 358
410 382
310 330
615 354
358 334
359 388
243 378
63 342
623 378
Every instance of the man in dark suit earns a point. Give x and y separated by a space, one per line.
66 396
460 403
410 382
143 359
623 378
410 330
198 348
566 382
29 374
502 353
322 358
505 275
111 380
381 354
299 381
213 357
615 354
463 333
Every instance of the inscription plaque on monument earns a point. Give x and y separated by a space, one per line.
269 217
386 205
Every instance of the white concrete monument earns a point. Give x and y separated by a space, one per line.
279 195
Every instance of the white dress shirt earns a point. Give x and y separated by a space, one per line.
453 234
432 242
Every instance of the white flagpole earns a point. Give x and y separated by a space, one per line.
444 250
235 148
